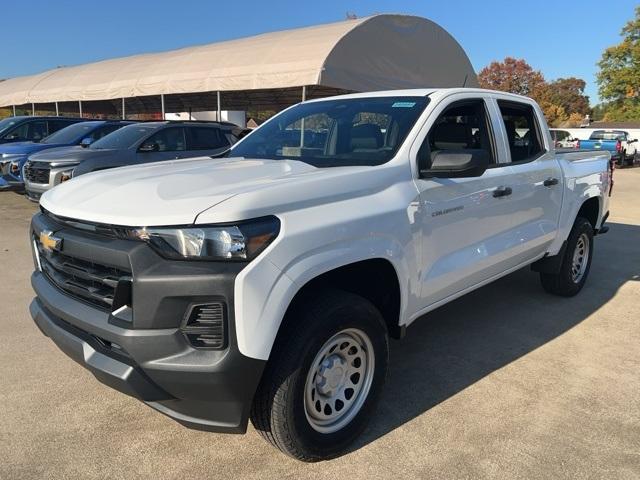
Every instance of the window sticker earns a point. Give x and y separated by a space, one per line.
403 105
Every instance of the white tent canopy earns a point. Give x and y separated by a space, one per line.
372 53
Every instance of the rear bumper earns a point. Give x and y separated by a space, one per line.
147 355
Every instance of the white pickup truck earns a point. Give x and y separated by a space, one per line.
265 285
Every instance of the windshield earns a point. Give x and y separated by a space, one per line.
71 134
123 138
616 135
335 133
7 123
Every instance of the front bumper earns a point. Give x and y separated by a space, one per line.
9 182
150 358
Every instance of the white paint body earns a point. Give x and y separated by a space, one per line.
336 216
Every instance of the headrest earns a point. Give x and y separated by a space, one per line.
366 136
451 136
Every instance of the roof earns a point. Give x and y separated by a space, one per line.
614 125
371 53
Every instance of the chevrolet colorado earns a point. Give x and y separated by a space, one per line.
266 285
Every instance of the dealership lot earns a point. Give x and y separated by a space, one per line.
507 381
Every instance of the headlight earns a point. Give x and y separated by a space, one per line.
242 241
15 168
66 175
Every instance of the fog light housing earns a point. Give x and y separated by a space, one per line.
205 326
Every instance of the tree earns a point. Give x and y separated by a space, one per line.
512 75
619 75
568 93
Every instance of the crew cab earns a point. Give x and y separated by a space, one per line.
134 144
266 284
563 138
623 148
28 129
77 134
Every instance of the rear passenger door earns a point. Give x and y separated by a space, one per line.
536 181
202 141
166 144
465 223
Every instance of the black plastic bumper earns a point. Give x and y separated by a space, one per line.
150 358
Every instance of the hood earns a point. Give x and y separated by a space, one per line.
24 148
176 192
74 154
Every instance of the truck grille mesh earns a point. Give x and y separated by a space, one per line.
91 282
37 172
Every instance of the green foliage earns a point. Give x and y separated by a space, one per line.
619 75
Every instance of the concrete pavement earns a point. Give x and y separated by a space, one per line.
507 382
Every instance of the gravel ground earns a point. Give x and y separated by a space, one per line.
507 382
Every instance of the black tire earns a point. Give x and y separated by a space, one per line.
564 283
278 410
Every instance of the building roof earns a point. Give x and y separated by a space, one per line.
614 125
371 53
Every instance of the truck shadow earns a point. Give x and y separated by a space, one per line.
458 344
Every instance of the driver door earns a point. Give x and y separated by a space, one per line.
465 223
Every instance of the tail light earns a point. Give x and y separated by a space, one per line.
578 143
618 146
612 167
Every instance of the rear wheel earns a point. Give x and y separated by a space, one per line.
575 264
324 376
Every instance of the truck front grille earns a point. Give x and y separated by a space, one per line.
37 172
91 282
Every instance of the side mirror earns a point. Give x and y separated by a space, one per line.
457 164
86 142
148 147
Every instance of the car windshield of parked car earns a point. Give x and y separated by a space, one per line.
125 137
615 135
335 133
71 134
6 124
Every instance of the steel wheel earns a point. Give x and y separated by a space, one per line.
580 258
339 380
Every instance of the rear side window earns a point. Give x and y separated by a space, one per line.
55 125
167 140
203 138
98 133
462 126
523 132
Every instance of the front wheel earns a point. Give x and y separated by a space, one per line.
324 377
575 264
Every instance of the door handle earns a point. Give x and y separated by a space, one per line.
549 182
502 192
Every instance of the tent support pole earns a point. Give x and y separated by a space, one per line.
80 107
162 104
124 112
57 110
33 109
304 97
218 112
14 110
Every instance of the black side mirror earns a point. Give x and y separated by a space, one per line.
148 147
457 164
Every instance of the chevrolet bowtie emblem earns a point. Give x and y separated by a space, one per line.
49 242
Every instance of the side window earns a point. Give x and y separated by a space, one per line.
204 138
55 125
32 131
562 135
166 140
462 126
98 133
523 133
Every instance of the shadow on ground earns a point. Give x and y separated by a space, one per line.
453 347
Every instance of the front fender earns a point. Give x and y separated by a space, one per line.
263 291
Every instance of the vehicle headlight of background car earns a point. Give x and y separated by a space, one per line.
242 241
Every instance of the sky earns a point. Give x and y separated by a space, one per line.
560 38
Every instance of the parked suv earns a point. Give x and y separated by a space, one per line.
29 129
131 145
82 133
